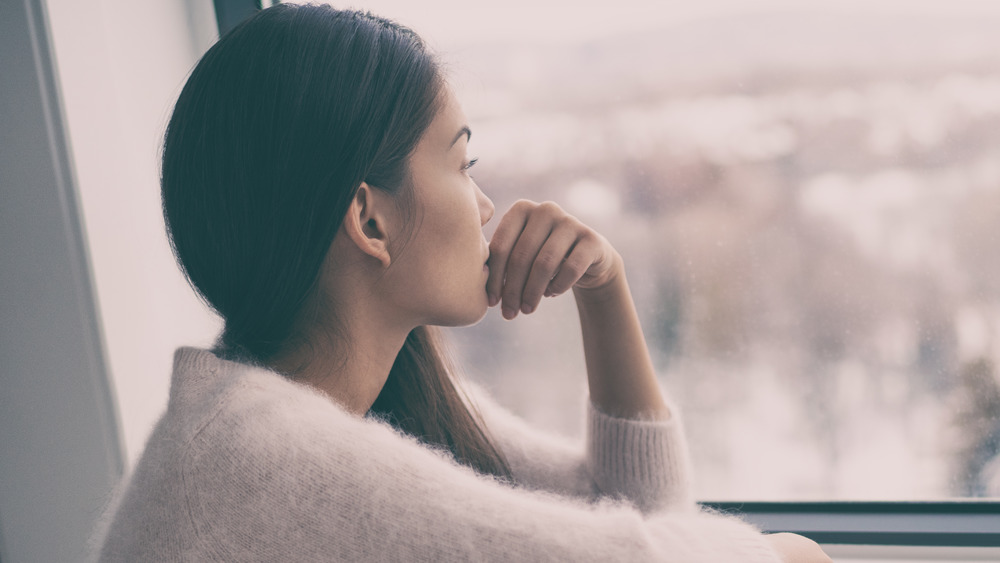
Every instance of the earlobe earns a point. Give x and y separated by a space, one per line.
366 226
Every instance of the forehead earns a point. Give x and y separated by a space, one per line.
447 123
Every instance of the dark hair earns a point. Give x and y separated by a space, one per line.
270 138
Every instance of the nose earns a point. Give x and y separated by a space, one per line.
486 208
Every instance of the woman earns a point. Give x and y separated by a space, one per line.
316 191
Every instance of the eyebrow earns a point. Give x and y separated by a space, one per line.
463 131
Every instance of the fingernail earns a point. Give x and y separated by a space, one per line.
509 312
493 301
527 309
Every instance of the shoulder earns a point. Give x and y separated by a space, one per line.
242 412
238 449
272 454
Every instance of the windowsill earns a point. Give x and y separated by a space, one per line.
910 554
954 524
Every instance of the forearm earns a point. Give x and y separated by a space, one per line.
619 369
540 250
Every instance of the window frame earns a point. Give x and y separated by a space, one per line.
958 523
229 13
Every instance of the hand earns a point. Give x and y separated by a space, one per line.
540 250
793 548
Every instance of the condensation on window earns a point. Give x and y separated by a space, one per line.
808 203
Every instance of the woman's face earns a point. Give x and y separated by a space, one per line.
441 272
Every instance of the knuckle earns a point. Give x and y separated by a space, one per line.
547 261
551 209
588 236
561 286
520 255
558 285
576 266
497 245
569 222
523 205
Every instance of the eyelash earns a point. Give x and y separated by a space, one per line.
470 164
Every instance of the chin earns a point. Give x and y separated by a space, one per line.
480 316
467 316
473 317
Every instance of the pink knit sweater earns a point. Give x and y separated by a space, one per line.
246 465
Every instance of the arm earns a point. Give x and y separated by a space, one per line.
540 250
645 462
619 369
313 483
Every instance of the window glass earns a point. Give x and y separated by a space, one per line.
808 203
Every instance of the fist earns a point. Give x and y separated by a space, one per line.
539 250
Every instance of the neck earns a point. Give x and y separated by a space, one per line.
351 364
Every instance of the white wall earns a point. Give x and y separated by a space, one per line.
121 64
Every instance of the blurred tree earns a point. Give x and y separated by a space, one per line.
977 418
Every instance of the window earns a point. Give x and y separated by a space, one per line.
807 202
806 198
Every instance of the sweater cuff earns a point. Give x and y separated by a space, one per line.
712 536
644 462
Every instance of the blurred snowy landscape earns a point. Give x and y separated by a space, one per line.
809 210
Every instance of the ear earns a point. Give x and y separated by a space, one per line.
366 224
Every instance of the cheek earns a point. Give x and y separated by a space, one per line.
449 241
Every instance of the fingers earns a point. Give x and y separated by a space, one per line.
537 250
504 238
521 258
547 263
575 266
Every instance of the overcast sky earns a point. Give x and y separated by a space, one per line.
447 24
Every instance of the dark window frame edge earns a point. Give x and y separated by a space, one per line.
229 13
916 523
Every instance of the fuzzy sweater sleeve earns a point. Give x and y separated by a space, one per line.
363 493
643 462
251 467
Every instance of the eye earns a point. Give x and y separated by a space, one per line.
470 164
